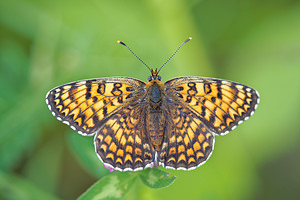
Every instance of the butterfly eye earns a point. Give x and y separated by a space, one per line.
158 77
150 78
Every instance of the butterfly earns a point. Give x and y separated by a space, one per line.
137 125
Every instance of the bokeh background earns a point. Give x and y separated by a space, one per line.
44 44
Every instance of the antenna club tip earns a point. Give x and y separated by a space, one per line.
122 43
187 40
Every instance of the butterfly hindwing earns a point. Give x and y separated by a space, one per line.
84 104
122 142
187 142
220 104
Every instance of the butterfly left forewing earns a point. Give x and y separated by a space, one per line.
220 104
85 104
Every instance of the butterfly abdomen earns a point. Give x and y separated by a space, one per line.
156 117
156 122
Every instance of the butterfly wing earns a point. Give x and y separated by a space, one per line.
187 142
122 143
86 105
197 108
220 104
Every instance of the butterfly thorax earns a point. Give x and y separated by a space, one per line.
156 117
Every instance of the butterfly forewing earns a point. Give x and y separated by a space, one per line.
221 105
84 105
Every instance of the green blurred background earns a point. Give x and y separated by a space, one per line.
44 44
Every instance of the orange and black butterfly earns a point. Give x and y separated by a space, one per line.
139 125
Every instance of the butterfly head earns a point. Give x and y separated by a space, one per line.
154 75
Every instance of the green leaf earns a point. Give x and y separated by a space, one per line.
83 148
112 186
155 178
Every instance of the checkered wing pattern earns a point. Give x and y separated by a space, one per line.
122 143
187 143
84 105
220 104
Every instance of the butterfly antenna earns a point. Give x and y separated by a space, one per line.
122 43
175 53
